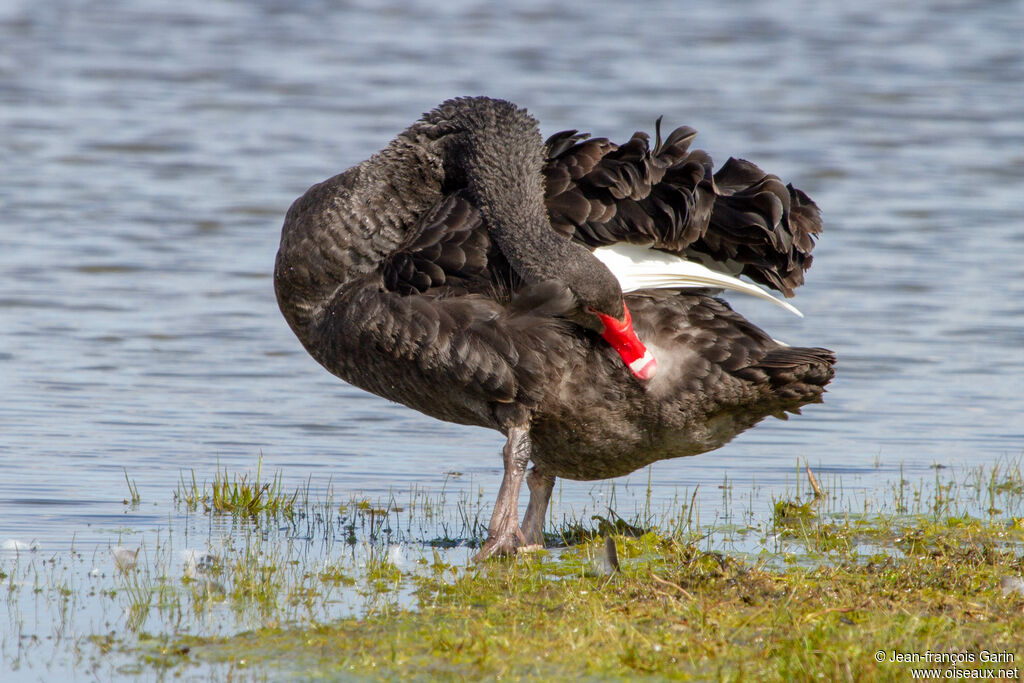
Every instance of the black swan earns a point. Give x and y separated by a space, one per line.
463 271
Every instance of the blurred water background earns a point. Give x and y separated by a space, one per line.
149 151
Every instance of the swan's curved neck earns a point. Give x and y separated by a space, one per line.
498 152
495 151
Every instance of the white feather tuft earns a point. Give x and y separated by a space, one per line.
640 267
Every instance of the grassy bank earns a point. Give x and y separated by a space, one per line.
673 611
929 580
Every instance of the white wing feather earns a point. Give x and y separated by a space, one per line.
640 267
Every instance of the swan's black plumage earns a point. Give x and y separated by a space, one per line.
452 272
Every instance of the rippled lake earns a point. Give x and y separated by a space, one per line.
149 151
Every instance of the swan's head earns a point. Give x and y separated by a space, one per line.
601 308
621 336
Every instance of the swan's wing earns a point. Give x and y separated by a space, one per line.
764 227
603 193
449 247
639 267
451 313
419 349
740 220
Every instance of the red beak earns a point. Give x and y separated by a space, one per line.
623 339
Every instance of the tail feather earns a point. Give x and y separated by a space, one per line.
798 373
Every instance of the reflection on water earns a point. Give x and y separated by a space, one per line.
150 152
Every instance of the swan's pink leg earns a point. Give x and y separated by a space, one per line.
503 533
540 493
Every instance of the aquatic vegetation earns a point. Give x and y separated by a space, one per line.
237 494
133 491
817 590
